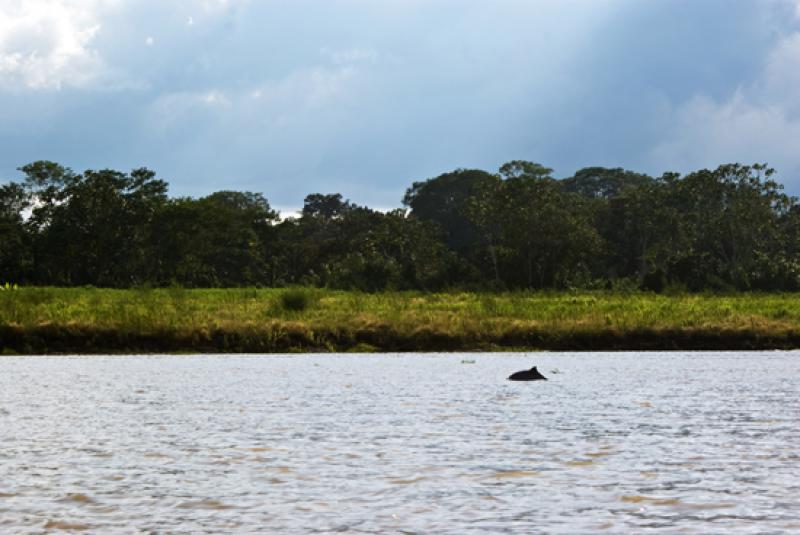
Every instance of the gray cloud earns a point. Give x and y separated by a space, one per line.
365 97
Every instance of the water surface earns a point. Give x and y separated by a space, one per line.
615 443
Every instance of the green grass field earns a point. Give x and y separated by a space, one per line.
89 320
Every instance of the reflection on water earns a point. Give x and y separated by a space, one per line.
687 442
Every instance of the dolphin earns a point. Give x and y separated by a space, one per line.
527 375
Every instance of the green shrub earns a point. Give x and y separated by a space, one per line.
295 300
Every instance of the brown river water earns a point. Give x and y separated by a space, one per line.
612 443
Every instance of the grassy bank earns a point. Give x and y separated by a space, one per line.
87 320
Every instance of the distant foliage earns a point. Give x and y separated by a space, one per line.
728 229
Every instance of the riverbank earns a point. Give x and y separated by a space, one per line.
175 320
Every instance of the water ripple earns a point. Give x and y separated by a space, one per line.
613 443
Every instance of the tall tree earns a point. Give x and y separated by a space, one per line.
447 201
645 232
15 252
734 213
222 239
91 228
536 236
444 199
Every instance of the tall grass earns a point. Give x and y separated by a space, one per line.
176 319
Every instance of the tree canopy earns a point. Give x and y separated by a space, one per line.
730 228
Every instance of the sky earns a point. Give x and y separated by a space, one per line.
364 97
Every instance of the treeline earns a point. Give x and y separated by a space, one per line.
731 228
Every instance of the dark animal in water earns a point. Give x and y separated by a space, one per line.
527 375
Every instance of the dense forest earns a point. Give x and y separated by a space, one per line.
731 228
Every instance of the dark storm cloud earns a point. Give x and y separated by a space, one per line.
365 97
